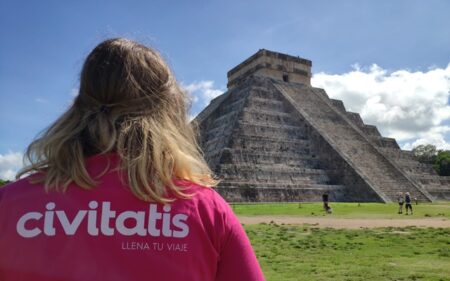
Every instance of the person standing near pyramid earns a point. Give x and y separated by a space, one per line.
326 205
408 204
401 201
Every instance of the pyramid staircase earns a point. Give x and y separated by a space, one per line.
381 173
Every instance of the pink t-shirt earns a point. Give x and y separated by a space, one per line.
106 233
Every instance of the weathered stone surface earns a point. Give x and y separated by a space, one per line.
271 64
273 139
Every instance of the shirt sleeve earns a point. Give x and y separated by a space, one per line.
237 260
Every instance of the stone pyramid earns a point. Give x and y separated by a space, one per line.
273 137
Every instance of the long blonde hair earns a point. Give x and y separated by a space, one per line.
129 103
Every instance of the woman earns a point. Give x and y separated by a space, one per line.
408 205
400 200
118 187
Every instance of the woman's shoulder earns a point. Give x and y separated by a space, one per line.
20 191
19 185
204 196
194 188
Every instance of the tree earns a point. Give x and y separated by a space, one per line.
442 163
425 153
4 182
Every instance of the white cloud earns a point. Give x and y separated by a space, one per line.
10 163
73 95
435 139
409 106
74 92
203 91
200 94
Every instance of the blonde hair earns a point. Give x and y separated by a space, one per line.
128 103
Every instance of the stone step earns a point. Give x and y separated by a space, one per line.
338 104
383 142
258 141
266 104
263 178
267 194
266 117
263 125
217 131
290 173
214 143
263 132
412 163
272 146
419 170
211 143
225 118
271 172
233 105
432 180
371 130
272 168
266 100
268 130
397 154
355 118
264 93
290 185
267 112
274 156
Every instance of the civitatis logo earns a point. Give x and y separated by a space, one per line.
143 222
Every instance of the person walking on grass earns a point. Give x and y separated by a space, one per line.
117 188
408 204
400 203
326 205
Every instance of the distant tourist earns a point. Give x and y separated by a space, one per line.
326 205
408 203
401 200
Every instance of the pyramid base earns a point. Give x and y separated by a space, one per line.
255 194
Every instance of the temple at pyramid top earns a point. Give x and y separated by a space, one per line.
275 65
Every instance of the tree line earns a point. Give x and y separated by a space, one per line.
440 159
3 182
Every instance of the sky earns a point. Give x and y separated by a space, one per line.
387 60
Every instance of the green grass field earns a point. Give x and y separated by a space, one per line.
304 253
344 210
296 252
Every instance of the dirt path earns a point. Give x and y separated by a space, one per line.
347 223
